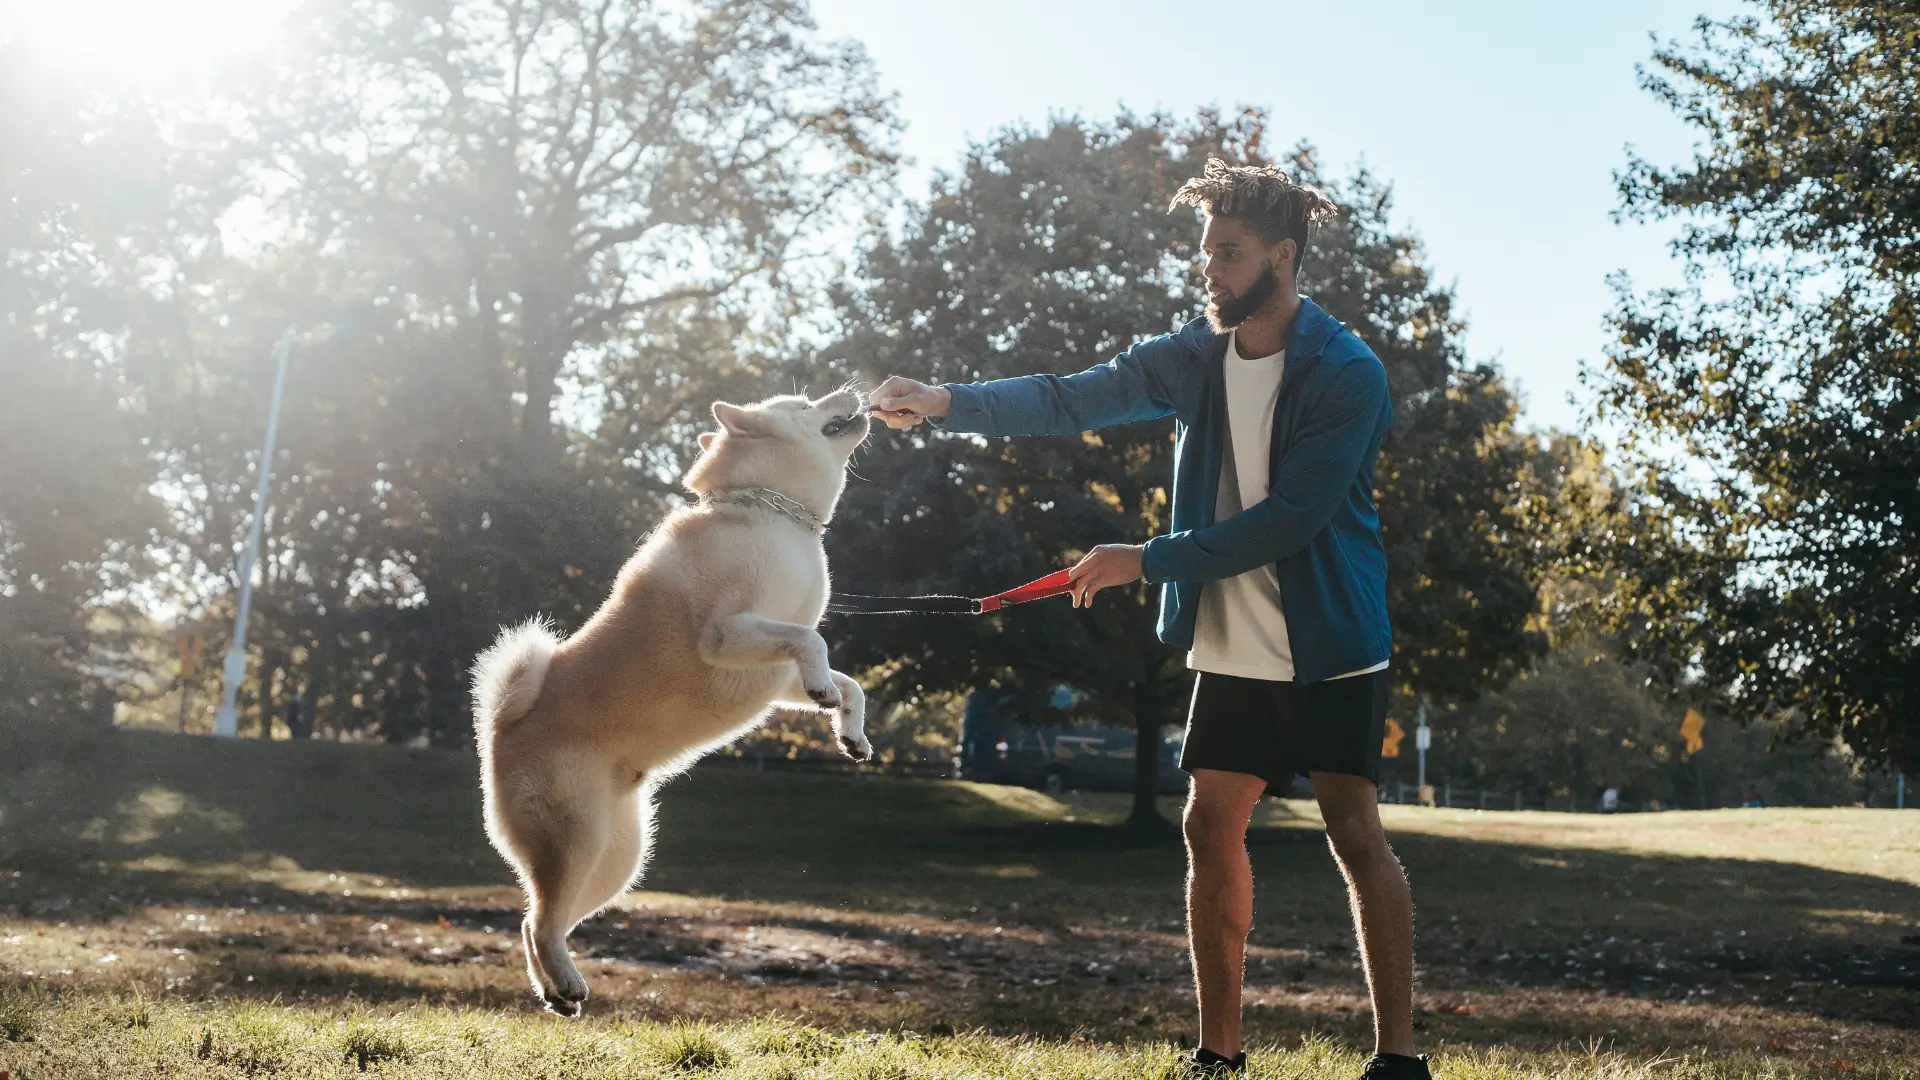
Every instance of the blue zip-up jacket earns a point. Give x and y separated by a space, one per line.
1317 525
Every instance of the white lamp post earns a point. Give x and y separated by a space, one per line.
1423 738
226 722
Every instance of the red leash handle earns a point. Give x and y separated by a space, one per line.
1054 584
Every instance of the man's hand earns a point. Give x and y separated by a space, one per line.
1104 566
902 403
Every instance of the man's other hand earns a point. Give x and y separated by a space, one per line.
1104 566
902 403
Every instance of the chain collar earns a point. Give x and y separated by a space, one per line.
791 509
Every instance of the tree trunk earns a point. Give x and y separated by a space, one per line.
323 680
536 420
1145 823
544 352
271 661
448 722
443 641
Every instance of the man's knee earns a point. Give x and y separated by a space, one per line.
1351 813
1218 808
1357 840
1201 826
1213 830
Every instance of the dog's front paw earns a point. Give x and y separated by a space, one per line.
827 697
857 749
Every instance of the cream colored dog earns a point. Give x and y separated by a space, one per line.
710 624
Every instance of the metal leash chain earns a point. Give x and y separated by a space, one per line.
926 604
789 508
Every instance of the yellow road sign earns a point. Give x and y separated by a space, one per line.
1690 729
1390 745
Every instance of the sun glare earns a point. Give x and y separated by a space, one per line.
138 38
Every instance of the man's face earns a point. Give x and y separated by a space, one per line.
1242 274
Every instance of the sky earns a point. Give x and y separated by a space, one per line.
1500 125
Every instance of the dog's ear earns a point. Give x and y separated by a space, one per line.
738 421
706 439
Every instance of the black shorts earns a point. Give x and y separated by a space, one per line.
1275 730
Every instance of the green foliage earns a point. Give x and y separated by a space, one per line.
523 249
918 731
1471 527
1773 403
1582 721
75 184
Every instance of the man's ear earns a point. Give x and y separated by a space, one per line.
736 420
706 439
1287 253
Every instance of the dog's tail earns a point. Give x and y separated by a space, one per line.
507 677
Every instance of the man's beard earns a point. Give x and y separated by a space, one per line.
1234 310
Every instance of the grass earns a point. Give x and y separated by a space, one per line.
245 909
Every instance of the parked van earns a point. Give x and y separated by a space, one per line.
999 744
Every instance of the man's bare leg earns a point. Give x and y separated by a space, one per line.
1219 898
1382 903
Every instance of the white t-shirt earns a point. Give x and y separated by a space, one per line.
1241 628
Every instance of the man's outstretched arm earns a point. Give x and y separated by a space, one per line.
1132 386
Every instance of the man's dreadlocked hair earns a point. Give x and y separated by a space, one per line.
1274 205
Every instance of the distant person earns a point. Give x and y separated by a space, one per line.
1273 575
1610 801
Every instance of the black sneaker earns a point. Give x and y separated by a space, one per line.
1204 1064
1396 1067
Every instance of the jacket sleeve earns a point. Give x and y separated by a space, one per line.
1136 385
1315 475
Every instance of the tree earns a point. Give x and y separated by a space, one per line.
1581 721
1773 401
526 242
73 502
1052 250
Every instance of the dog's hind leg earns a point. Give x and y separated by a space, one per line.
541 987
562 845
630 834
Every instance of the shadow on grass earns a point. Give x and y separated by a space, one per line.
376 810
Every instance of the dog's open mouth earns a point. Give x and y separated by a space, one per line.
840 425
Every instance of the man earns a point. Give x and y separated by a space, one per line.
1274 576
